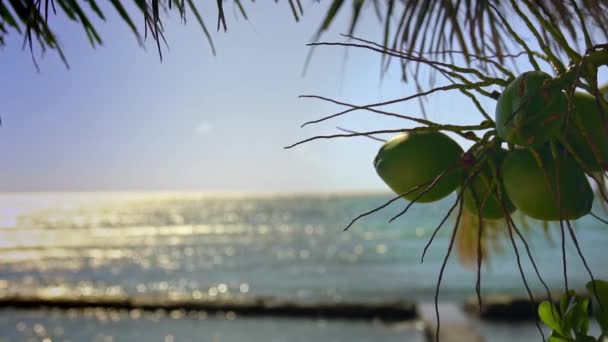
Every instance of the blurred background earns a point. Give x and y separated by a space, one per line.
124 176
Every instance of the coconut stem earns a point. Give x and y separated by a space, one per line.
445 261
523 275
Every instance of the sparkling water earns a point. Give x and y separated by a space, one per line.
232 245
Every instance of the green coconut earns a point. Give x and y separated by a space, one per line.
533 189
587 132
415 159
483 188
530 110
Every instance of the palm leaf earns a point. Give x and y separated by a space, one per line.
466 27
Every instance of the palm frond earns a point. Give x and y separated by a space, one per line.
466 28
29 18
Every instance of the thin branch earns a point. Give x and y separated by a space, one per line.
554 61
353 107
475 170
455 68
423 192
479 251
516 37
523 276
579 14
584 260
485 59
447 215
529 253
550 27
347 136
457 129
403 99
384 205
444 263
564 261
420 60
368 136
595 216
558 197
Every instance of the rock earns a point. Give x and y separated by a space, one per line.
394 310
505 308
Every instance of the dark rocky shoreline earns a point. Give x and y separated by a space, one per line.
262 306
495 308
456 326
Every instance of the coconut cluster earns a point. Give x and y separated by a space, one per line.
554 144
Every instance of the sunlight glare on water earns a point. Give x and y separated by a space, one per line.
201 246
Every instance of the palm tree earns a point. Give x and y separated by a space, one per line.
464 27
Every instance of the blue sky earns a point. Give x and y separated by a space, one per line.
120 120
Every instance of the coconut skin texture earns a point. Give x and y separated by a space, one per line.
416 159
587 133
534 190
530 111
483 189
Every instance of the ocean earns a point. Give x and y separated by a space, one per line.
227 246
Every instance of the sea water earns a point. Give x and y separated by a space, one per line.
251 246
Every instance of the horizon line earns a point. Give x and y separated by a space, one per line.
204 192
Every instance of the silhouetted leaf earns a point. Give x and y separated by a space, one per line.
599 291
241 9
333 10
202 24
421 27
559 339
357 5
294 11
96 9
548 313
8 17
125 16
